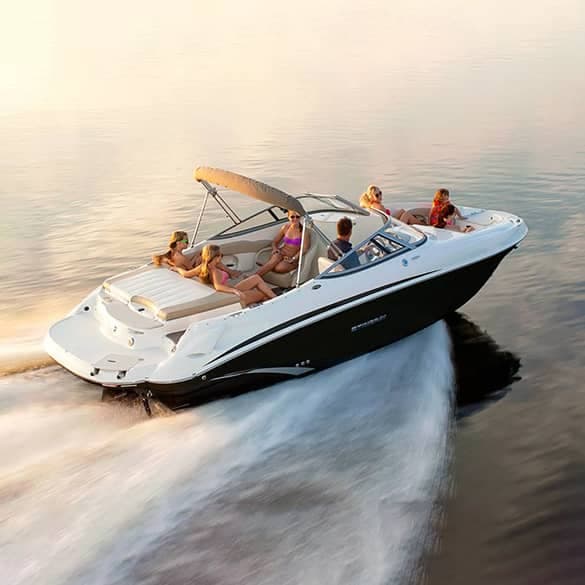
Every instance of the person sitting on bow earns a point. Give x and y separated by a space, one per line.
372 199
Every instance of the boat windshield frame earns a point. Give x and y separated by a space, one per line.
337 270
344 207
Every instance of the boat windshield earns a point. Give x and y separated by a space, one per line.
375 249
393 239
319 202
402 232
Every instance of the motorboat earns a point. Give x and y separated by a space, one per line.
152 333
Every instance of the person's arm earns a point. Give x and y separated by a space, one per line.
456 228
181 262
306 245
231 273
195 260
279 237
218 286
459 214
187 273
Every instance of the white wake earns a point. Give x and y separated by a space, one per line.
327 479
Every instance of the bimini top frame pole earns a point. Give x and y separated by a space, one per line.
210 190
306 222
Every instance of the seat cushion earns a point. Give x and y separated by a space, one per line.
289 279
166 294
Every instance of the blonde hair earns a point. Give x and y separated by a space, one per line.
209 252
369 196
440 193
165 258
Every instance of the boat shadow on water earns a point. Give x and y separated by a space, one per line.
484 372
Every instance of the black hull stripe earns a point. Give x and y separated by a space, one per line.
311 314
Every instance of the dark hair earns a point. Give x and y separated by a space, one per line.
344 226
444 213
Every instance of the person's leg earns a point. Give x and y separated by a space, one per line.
249 283
264 288
408 218
255 282
284 267
252 296
272 262
421 214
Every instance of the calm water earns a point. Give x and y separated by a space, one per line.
358 475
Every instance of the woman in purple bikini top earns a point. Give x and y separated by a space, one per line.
292 241
288 241
286 246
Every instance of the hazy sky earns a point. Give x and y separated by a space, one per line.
63 54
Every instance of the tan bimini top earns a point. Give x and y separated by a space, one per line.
249 187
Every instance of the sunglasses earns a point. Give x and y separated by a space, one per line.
378 195
184 240
294 217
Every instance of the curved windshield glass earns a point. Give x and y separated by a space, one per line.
256 221
394 238
272 215
374 250
377 248
403 232
317 202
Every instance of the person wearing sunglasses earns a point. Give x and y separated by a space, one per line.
372 199
174 256
211 271
286 246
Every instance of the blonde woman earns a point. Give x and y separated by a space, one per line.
211 271
372 199
174 256
286 246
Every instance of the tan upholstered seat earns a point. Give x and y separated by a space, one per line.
166 294
421 213
289 279
323 263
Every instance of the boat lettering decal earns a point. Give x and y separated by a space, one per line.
369 323
287 324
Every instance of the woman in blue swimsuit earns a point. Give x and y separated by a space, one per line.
286 246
